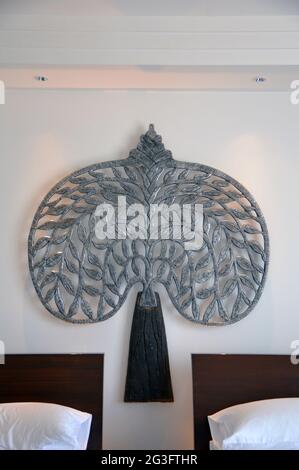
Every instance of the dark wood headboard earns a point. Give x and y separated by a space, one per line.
220 381
74 380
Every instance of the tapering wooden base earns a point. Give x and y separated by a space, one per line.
148 373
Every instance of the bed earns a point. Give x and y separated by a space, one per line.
221 381
72 380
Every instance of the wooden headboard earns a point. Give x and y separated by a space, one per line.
74 380
220 381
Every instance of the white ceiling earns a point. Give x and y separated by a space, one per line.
150 7
137 44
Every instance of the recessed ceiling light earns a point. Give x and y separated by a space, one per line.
260 79
41 78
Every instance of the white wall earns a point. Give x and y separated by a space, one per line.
47 134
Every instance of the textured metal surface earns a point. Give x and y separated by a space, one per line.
80 278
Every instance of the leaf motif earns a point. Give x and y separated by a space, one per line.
110 301
59 240
256 277
79 180
93 274
216 213
250 229
224 254
221 183
255 246
257 267
53 260
48 279
67 284
203 262
186 303
113 289
184 275
162 270
171 252
93 259
239 214
237 306
168 175
195 310
116 173
183 290
216 235
41 243
119 259
73 307
247 282
204 293
59 301
238 243
209 312
134 248
82 234
205 276
112 273
86 309
72 268
125 248
66 223
163 249
74 250
121 279
57 210
130 173
225 270
243 263
229 287
221 310
211 193
91 290
231 227
178 261
135 267
183 174
50 294
246 299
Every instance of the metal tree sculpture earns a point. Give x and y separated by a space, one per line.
83 279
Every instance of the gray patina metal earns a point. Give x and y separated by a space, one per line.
82 279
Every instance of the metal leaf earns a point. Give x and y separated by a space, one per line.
225 270
48 279
86 309
72 268
229 287
53 260
93 274
204 293
73 310
205 276
209 312
49 295
216 235
59 301
41 243
203 262
82 234
247 282
67 284
243 263
91 290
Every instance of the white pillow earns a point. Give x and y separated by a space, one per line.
264 424
43 426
